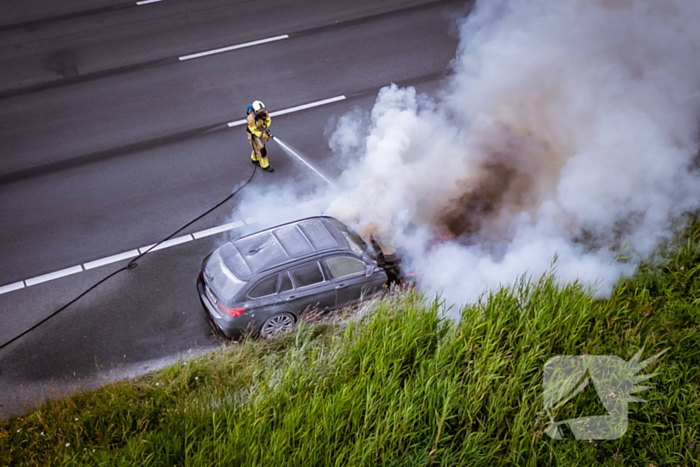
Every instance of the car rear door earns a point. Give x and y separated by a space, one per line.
349 279
310 289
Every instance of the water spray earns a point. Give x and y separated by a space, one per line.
291 152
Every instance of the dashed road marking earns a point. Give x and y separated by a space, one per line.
219 229
166 244
277 113
146 2
307 106
111 259
11 287
233 47
53 275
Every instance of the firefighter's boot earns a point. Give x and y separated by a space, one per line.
265 164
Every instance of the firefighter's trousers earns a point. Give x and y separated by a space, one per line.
259 153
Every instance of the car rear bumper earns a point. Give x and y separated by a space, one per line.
230 327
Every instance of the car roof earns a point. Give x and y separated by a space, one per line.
275 246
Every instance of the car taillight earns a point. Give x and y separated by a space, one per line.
231 311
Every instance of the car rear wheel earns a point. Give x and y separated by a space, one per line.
277 324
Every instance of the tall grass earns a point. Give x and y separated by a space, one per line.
402 386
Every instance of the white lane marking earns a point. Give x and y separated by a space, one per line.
11 287
307 106
167 244
53 275
291 151
233 47
293 109
216 230
111 259
146 2
236 123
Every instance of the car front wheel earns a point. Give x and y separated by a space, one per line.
277 324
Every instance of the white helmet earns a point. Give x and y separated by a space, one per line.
258 107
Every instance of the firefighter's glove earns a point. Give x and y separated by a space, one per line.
267 136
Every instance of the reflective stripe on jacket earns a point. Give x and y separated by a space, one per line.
256 126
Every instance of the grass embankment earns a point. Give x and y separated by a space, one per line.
401 387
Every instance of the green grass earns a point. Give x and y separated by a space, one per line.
402 386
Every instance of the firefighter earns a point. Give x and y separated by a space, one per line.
259 133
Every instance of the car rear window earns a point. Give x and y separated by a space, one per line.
341 266
266 286
220 278
308 274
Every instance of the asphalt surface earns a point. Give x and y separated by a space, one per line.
109 142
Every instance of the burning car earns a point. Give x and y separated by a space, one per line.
262 283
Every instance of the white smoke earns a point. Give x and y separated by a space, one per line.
566 129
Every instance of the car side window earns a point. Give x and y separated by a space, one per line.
267 286
341 266
307 274
285 282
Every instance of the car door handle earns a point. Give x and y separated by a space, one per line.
341 286
291 297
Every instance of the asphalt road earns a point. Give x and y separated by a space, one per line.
109 142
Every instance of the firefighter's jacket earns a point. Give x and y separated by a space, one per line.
256 126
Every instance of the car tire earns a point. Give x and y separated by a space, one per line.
276 324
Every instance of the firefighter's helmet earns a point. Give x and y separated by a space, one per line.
258 107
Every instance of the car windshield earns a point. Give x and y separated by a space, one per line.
220 278
355 242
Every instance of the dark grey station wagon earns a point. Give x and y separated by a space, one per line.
262 283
